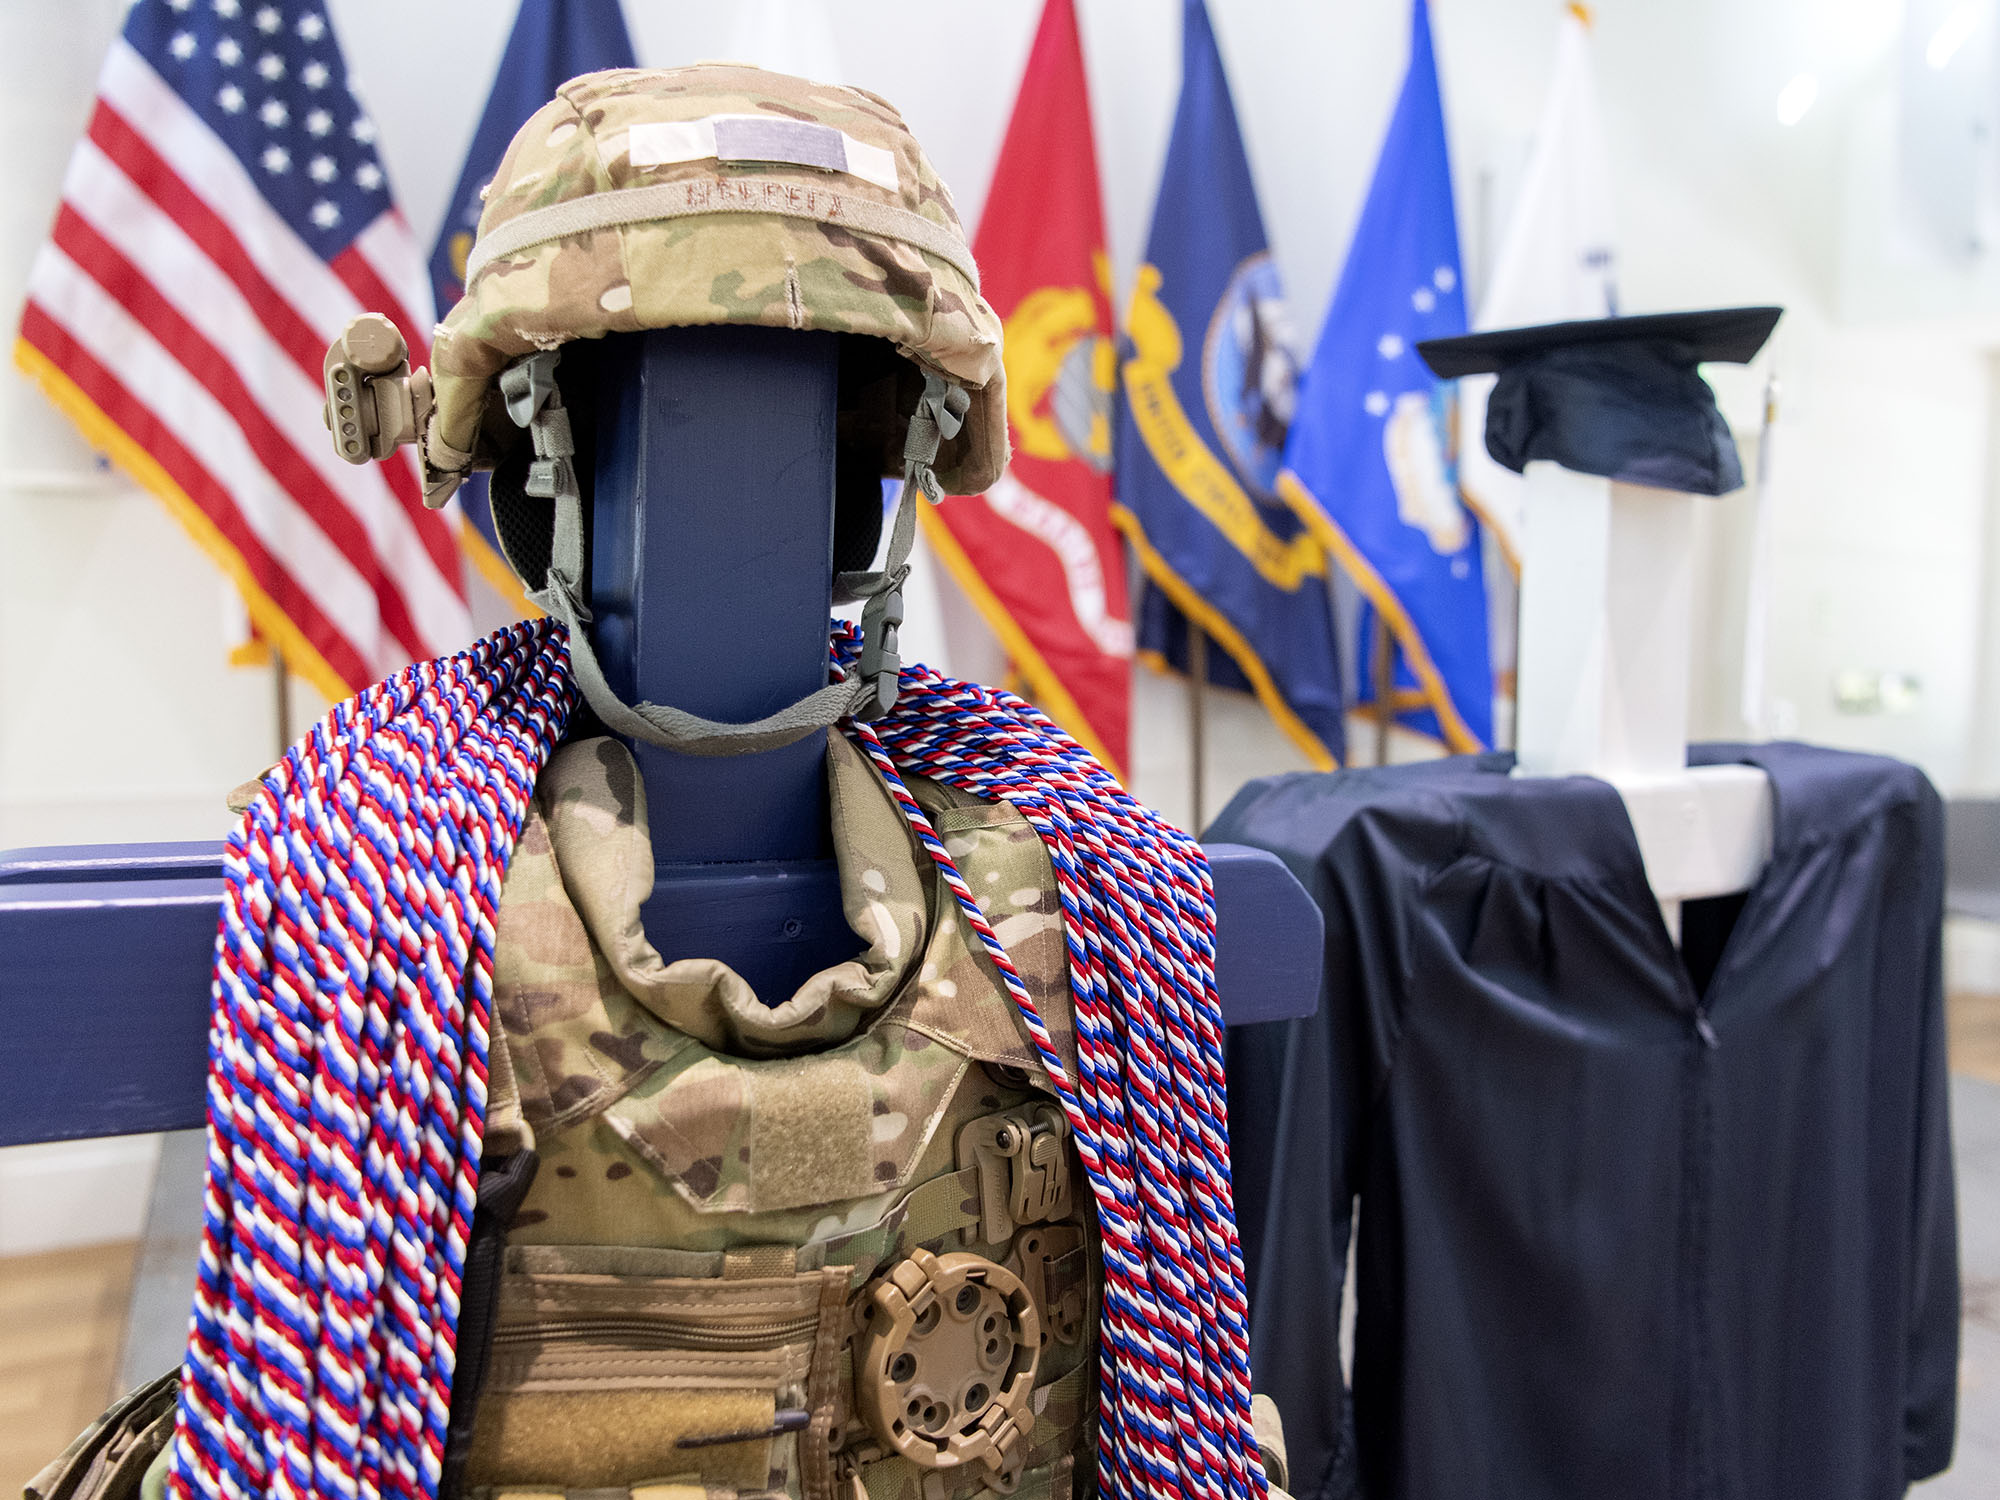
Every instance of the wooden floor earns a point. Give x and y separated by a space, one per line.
61 1315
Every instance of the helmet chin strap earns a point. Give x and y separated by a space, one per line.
533 402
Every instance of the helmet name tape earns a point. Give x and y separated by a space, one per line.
718 195
761 138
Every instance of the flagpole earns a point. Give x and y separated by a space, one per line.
1514 692
281 701
1197 651
1385 689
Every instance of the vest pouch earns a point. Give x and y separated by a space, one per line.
636 1353
618 1367
110 1459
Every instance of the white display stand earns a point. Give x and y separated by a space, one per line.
1606 633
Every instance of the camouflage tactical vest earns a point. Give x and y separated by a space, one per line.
839 1245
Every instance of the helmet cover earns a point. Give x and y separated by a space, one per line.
719 193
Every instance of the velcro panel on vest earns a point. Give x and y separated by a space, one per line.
607 1439
769 1135
809 1136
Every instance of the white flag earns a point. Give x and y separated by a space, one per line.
1556 261
1757 601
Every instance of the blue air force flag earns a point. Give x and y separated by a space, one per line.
1371 460
552 42
1210 379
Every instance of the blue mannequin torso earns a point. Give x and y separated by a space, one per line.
711 557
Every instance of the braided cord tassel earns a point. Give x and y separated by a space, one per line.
347 1083
1148 1106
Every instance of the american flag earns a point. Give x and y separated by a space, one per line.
223 217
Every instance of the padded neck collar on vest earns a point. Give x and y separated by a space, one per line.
599 830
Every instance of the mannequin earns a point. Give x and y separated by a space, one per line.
673 419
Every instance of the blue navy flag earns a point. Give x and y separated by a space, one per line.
1210 379
552 42
1371 460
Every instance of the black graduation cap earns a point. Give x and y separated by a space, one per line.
1613 396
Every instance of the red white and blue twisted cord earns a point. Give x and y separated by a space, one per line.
347 1087
1148 1108
347 1078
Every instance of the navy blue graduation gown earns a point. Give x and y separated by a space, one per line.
1632 1222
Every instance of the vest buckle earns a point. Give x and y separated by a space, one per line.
1022 1158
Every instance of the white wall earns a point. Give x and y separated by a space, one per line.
118 718
1983 759
75 1193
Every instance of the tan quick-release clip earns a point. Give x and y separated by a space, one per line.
947 1362
1023 1168
1039 1258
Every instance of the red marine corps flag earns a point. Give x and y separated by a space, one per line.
1038 555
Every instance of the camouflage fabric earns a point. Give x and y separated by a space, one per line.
111 1458
689 1132
774 201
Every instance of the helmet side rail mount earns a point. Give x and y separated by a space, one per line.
375 403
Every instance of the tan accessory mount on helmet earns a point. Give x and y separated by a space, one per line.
374 403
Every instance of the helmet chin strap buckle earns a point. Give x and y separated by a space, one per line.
881 667
549 477
535 403
562 598
939 415
527 385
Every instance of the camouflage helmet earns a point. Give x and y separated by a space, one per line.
720 193
639 199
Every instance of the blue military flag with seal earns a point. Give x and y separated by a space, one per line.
1210 378
552 42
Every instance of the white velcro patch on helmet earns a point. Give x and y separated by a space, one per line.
761 138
